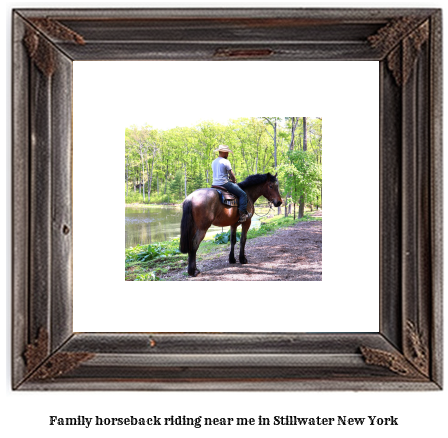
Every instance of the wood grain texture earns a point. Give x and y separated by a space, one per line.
436 195
20 196
406 354
390 210
40 199
62 205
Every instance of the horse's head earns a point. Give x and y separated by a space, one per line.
271 192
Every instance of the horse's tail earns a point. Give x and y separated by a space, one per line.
187 227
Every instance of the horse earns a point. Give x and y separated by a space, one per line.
203 208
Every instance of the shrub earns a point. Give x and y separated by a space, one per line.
149 276
222 238
146 253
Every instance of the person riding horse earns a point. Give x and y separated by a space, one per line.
203 208
222 171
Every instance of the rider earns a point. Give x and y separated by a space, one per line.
222 171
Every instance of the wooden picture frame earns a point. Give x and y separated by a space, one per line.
406 353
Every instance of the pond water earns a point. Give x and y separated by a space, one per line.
159 223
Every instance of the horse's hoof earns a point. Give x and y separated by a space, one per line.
196 273
243 260
232 260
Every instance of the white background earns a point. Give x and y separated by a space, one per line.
110 96
420 414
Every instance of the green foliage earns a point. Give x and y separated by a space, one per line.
151 252
172 153
142 259
146 253
136 198
160 199
149 276
264 229
176 186
224 237
196 181
169 258
133 198
300 175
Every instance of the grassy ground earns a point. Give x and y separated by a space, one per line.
147 262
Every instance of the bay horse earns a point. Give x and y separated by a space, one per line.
203 208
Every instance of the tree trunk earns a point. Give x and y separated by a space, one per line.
294 123
301 207
245 160
127 177
185 180
302 198
150 177
275 144
166 176
143 178
304 135
147 179
275 153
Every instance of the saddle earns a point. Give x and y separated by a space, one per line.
226 197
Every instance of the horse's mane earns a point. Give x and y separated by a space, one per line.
256 179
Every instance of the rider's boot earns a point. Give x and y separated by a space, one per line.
244 215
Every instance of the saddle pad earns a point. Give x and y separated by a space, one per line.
227 198
225 192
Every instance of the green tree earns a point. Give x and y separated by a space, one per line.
155 159
301 176
176 186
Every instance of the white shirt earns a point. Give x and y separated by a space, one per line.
221 166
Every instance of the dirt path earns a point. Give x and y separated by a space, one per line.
291 254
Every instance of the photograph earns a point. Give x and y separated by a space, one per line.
206 195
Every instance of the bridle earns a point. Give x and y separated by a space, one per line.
270 203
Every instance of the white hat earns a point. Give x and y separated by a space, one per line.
223 148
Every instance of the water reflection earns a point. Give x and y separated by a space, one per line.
159 223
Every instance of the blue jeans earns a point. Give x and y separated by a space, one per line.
237 191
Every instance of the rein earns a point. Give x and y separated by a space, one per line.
270 208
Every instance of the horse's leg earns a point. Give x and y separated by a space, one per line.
232 244
197 239
245 227
199 210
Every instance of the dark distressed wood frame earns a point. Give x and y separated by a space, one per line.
406 354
